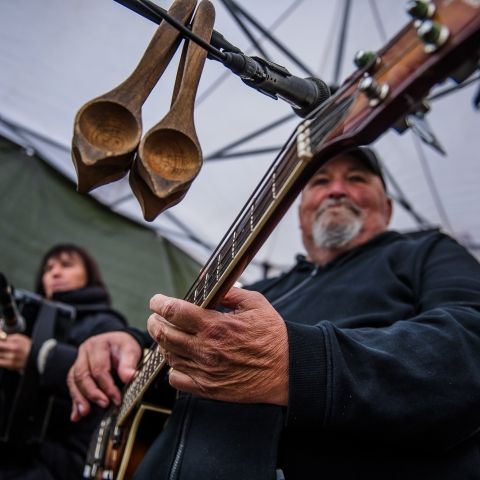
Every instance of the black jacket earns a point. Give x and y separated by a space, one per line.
384 348
62 453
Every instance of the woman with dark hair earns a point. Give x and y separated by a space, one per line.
69 275
66 254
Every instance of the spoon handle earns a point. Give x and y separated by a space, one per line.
192 63
133 91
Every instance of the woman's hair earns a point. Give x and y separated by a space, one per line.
94 278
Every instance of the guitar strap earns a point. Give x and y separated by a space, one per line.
24 426
30 408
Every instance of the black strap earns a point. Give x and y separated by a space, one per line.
25 426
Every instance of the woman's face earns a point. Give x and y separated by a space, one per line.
64 272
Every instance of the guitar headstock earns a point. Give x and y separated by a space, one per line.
442 41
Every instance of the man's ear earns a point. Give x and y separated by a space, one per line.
388 209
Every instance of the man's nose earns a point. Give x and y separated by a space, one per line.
337 189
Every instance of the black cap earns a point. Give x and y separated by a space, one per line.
370 159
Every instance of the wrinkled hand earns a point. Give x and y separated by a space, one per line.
240 356
14 351
90 377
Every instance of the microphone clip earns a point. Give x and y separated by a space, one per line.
275 81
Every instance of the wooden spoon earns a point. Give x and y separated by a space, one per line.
108 129
169 156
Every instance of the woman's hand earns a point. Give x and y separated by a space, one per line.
14 351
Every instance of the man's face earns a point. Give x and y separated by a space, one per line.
343 205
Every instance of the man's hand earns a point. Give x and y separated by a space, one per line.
240 356
90 378
14 351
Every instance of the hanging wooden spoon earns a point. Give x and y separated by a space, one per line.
108 129
169 156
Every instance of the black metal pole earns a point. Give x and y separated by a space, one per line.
341 42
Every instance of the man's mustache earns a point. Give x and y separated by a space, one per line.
331 202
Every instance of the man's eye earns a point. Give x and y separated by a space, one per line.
357 178
320 181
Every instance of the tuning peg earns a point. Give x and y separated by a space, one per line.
421 9
375 91
366 58
433 34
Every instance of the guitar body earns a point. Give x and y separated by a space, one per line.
124 454
403 74
116 450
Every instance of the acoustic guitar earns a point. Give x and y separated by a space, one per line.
442 41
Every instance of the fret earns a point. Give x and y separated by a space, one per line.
233 244
252 210
140 383
205 292
274 185
304 147
195 295
222 262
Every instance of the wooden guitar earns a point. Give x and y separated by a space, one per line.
443 41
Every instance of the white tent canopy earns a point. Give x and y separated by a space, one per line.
56 55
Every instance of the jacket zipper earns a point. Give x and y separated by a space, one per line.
181 444
286 295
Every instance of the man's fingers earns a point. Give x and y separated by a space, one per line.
183 382
80 405
91 376
184 315
88 387
96 381
173 340
241 299
127 361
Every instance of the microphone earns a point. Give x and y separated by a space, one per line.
303 94
12 320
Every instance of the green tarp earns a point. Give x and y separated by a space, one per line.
39 208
